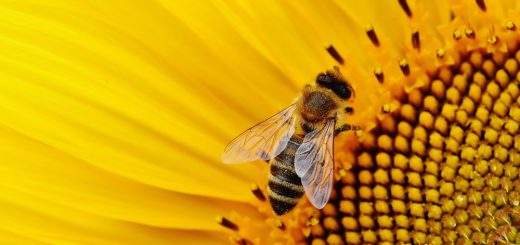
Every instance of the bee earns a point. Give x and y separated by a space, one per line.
298 143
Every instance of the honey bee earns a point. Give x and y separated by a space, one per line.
298 142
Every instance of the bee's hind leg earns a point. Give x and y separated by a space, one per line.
345 127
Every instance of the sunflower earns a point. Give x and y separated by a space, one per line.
113 116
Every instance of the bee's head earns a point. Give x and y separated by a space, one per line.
335 82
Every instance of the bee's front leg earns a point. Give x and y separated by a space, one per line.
349 110
345 127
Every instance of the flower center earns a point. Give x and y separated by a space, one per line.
441 168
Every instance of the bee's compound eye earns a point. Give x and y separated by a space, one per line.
342 91
324 79
345 92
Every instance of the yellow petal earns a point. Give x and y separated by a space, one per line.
109 106
25 226
35 170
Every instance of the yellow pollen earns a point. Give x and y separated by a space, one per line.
342 172
386 108
492 40
457 34
441 53
404 67
510 25
312 221
279 224
359 133
469 33
378 72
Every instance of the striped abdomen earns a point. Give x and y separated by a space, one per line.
285 187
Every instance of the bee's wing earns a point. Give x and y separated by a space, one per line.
263 141
314 164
